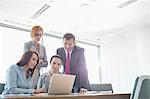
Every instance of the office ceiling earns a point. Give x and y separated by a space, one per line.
87 19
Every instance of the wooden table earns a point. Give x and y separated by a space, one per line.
73 96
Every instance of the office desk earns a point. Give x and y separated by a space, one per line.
76 96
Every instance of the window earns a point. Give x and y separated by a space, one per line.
11 48
91 56
12 43
92 62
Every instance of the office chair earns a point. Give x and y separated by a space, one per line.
1 87
141 88
101 87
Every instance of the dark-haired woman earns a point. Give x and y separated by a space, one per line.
44 80
19 79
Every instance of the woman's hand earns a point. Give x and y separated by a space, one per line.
41 61
41 90
31 49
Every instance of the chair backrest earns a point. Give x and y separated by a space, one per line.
141 88
134 88
1 87
101 87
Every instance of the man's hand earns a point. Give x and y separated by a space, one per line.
83 90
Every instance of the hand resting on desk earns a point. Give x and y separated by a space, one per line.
41 90
83 90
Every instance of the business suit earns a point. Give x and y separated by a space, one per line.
41 51
17 83
42 55
77 67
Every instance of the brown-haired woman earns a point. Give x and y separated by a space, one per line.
19 77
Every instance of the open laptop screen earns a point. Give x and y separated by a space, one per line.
61 84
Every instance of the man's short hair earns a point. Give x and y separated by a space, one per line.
69 36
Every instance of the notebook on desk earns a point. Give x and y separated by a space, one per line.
61 84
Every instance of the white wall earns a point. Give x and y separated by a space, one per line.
125 54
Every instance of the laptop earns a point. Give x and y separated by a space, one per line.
61 84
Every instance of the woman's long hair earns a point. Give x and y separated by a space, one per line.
26 58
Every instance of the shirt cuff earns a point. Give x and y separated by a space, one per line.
30 91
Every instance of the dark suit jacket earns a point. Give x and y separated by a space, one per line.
78 66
